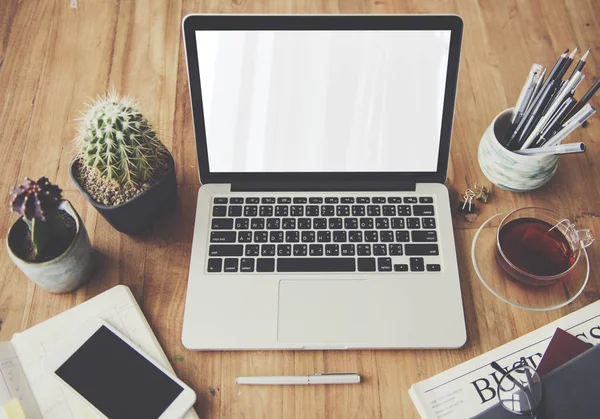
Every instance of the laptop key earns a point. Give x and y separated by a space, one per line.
300 250
331 200
428 222
215 264
284 200
423 210
417 265
395 249
363 200
252 200
267 250
335 223
397 223
312 210
273 223
292 236
351 223
276 237
379 200
241 223
404 210
366 264
231 264
402 267
324 236
288 223
250 210
434 268
413 223
332 250
315 250
342 210
244 237
320 223
330 264
363 249
395 200
236 201
308 236
402 236
410 200
379 249
261 236
222 224
384 264
281 210
421 249
348 249
358 210
222 236
265 265
382 223
297 211
355 236
284 250
386 236
219 211
389 210
247 265
339 236
266 211
257 223
373 210
252 250
424 236
426 200
299 200
315 200
220 200
225 250
347 200
371 236
268 200
366 223
327 211
235 210
304 223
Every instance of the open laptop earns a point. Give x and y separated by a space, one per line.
323 221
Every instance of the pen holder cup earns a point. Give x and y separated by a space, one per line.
509 170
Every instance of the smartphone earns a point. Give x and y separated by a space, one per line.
116 378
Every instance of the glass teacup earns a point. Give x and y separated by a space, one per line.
538 247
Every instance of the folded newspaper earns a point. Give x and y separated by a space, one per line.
470 388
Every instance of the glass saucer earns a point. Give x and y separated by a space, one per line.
513 292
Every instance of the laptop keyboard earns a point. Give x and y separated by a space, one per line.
323 234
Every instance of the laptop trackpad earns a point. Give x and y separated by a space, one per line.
314 311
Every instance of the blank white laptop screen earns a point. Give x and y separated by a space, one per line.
323 101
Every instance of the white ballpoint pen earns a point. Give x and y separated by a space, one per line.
335 378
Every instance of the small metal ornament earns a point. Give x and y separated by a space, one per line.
467 206
482 193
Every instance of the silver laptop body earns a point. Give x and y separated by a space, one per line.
323 221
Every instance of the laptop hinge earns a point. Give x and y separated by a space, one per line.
354 186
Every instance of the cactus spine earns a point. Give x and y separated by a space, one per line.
117 141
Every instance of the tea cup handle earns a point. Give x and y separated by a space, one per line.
586 237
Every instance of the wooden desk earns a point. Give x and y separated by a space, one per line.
53 58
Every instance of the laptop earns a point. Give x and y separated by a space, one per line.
323 221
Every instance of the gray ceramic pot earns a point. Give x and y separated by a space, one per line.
68 271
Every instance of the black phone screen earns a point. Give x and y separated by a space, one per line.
118 380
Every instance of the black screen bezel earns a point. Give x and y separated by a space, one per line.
193 23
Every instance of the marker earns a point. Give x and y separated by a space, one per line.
336 378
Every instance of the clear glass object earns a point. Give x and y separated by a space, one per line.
520 389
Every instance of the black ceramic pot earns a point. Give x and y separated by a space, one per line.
137 214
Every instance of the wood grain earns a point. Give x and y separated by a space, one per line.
54 58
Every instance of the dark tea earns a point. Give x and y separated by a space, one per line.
533 246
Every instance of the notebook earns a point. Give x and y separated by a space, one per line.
22 370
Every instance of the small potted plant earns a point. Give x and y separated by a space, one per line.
49 243
121 167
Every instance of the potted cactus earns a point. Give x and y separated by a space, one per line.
49 243
121 167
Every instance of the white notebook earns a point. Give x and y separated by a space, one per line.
22 369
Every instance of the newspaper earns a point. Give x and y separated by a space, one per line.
470 388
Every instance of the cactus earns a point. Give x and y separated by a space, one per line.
118 143
37 203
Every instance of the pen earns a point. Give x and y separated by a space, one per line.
586 97
538 85
554 150
523 100
554 121
573 123
535 114
335 378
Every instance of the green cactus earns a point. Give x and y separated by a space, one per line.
118 142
